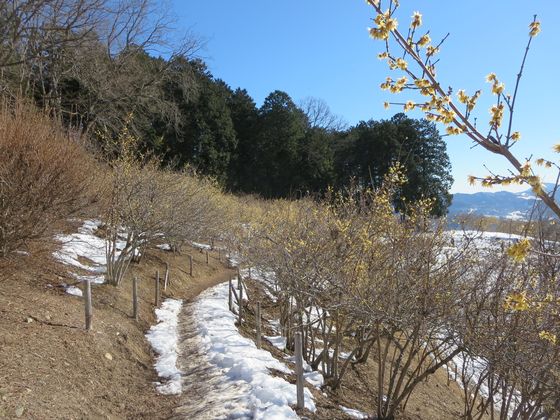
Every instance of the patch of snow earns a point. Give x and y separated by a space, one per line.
277 341
266 277
163 337
314 378
268 396
354 413
200 246
164 247
83 244
73 290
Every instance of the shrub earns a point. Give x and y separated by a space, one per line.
44 175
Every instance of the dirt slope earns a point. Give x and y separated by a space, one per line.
51 368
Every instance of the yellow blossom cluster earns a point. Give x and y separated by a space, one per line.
544 162
534 28
424 40
453 131
497 113
497 86
516 301
470 101
425 87
385 24
519 250
408 106
394 86
416 20
548 336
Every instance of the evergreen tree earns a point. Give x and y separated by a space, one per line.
369 149
244 115
280 131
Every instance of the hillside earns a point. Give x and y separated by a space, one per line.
501 204
52 368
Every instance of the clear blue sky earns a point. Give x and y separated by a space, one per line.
321 48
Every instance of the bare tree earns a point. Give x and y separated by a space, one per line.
319 115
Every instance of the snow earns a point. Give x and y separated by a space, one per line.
73 290
266 277
267 396
353 413
277 341
314 378
201 246
84 245
163 337
164 247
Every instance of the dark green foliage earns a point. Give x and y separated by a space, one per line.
181 112
367 151
244 115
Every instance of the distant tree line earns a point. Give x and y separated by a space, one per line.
92 63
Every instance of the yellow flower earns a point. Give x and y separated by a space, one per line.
453 131
515 136
556 148
547 336
497 112
409 105
431 50
386 105
519 250
424 40
391 24
387 84
463 97
498 88
416 20
491 78
383 55
471 180
447 116
377 33
535 28
402 81
401 64
516 301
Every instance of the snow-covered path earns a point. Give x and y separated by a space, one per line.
225 376
207 394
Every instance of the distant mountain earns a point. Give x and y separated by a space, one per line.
500 204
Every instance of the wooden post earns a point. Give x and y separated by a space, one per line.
212 243
135 298
249 272
240 309
166 280
207 259
258 325
239 280
157 289
299 370
88 306
190 265
230 297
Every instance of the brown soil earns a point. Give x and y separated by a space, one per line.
50 367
